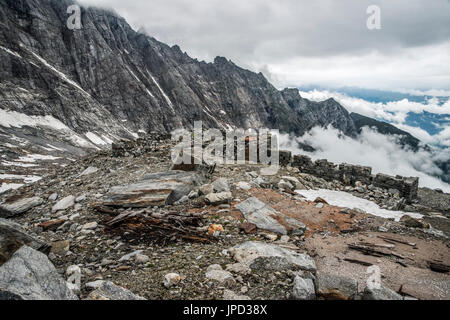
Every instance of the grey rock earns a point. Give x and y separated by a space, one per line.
89 171
64 204
381 293
259 255
221 185
335 287
130 255
218 198
53 197
29 275
243 185
219 275
157 189
172 279
262 215
229 295
17 207
13 236
109 291
303 289
90 226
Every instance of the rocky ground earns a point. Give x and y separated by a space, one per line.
227 234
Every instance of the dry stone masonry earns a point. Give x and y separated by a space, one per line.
349 174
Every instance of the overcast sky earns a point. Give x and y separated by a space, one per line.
303 42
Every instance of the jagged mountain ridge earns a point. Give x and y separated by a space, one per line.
66 91
107 73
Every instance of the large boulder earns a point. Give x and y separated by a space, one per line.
156 189
29 275
267 218
260 255
12 237
14 208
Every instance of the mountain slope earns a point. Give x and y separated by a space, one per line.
405 138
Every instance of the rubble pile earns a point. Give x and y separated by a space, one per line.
126 224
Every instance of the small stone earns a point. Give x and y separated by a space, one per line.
172 279
303 289
212 229
90 226
239 268
221 185
142 259
248 228
89 171
53 197
94 284
64 204
60 247
229 295
218 198
52 224
244 186
130 255
219 275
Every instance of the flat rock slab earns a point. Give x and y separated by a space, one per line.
260 255
29 275
267 218
12 237
157 189
64 204
12 209
107 290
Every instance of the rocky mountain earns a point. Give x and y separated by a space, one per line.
110 81
65 92
406 139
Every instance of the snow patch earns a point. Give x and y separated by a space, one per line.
30 158
11 52
162 92
95 139
15 119
347 200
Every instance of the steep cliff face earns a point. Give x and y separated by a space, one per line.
109 80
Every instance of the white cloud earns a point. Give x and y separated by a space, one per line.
298 42
372 149
395 112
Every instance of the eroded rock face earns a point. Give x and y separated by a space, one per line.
147 85
29 275
12 209
259 255
156 189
